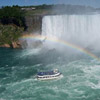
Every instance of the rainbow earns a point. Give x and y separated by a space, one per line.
54 39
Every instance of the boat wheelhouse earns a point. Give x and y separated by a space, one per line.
54 74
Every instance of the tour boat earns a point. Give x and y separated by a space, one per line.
54 74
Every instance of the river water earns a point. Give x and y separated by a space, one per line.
77 36
18 69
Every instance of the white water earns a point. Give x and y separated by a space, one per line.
81 30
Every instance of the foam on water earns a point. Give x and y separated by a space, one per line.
81 80
28 52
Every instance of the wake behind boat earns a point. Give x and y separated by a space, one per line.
54 74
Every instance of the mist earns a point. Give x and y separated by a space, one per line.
73 24
79 30
72 9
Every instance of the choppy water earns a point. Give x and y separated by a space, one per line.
18 69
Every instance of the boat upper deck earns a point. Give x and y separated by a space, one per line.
46 73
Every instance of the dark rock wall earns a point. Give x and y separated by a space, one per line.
33 24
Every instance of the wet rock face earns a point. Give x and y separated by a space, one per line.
5 45
16 44
33 23
30 44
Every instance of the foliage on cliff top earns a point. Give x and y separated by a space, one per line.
12 15
9 33
12 24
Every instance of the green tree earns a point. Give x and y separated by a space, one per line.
9 33
12 15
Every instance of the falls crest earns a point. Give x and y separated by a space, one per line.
81 30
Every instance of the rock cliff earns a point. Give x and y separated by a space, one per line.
33 23
16 44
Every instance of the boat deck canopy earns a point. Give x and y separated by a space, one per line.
46 73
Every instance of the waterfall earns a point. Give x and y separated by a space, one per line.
81 30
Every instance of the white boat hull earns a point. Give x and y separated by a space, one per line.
50 78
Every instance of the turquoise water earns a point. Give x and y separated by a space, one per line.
18 69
